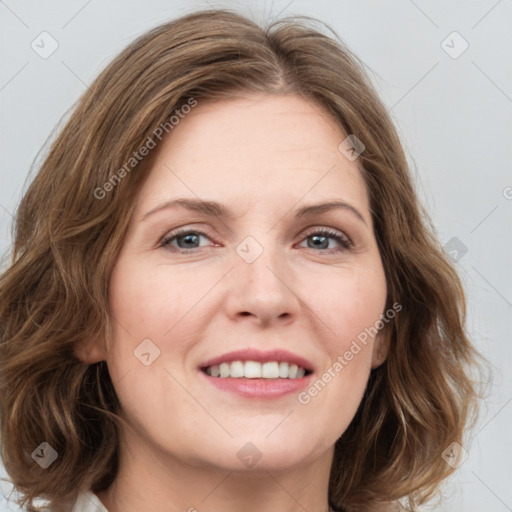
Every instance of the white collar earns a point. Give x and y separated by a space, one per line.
88 502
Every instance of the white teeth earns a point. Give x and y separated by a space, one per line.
256 370
270 370
237 369
252 370
224 369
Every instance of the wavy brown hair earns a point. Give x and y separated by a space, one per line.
54 292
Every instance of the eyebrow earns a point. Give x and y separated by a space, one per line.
215 209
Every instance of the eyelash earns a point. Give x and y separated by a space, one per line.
344 241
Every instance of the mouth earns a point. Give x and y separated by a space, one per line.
256 370
254 374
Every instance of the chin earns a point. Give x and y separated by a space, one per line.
273 453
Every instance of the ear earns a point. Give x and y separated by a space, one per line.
91 351
381 346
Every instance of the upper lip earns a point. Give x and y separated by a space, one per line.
251 354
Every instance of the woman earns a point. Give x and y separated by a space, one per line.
224 294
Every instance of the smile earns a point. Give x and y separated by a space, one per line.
263 375
257 370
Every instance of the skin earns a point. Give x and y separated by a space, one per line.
264 157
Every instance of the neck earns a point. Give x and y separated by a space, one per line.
150 480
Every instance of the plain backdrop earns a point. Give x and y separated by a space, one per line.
444 71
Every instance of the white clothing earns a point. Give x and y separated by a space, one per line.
88 502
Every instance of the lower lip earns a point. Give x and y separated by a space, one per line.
259 388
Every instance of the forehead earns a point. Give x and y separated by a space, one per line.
253 150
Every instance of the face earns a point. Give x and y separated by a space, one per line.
284 283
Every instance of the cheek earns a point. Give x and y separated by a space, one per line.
349 308
137 310
148 302
155 303
350 303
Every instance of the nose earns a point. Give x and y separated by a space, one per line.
263 291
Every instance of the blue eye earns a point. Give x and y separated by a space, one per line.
185 238
187 241
321 237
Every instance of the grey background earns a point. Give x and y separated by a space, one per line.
454 116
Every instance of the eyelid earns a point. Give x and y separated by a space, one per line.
170 235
